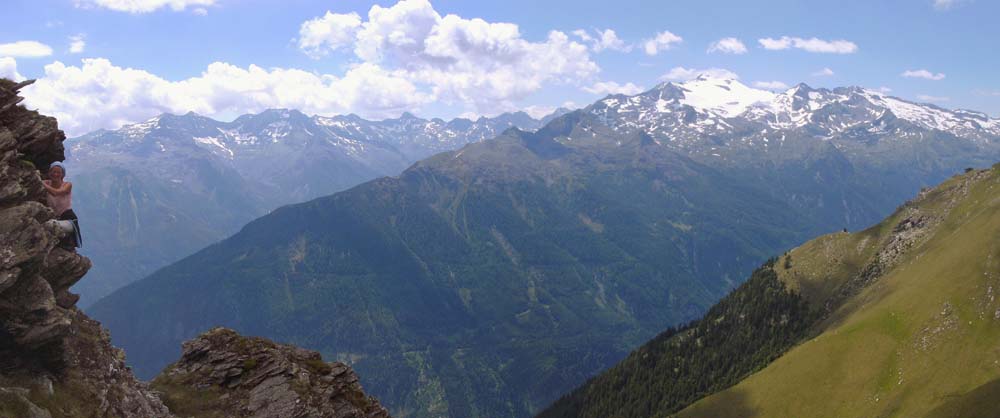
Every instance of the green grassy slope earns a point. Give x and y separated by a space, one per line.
922 338
832 277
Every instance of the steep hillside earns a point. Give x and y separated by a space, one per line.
153 192
743 332
896 320
918 331
482 282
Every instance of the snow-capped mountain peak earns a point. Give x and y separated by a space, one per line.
139 130
696 111
725 97
275 132
933 117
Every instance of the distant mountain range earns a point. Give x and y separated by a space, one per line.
490 280
153 192
849 154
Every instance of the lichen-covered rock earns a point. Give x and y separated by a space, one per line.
54 361
222 373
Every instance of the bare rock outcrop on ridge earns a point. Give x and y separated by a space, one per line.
254 377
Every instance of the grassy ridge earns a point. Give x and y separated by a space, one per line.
919 339
837 278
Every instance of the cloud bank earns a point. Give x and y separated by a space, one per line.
403 57
99 94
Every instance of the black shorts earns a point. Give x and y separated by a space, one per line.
68 215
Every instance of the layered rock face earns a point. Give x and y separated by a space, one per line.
30 281
54 361
224 374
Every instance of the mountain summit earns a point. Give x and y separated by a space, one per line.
686 115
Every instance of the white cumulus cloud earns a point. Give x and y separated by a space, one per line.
407 56
478 64
8 69
142 6
604 88
924 74
328 33
685 74
816 45
77 43
770 85
602 40
728 45
661 42
25 49
99 94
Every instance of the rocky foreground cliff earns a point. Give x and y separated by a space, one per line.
56 362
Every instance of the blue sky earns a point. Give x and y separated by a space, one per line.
138 58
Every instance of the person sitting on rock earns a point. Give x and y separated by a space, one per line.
60 199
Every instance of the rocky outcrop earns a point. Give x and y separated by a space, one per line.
54 361
222 373
31 318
